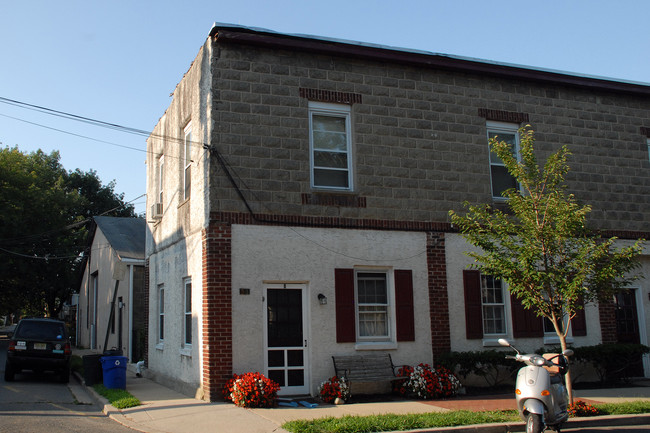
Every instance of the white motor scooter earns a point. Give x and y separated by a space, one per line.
540 390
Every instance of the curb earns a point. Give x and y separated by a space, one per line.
108 409
594 421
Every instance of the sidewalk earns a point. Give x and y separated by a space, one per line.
166 411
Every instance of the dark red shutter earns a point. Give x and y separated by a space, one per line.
473 306
344 293
525 323
579 321
404 305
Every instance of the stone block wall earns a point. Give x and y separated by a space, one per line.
418 137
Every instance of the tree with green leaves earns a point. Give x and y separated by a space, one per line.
44 217
541 245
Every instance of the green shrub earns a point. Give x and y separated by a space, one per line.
611 361
491 365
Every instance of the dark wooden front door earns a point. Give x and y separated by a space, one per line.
627 327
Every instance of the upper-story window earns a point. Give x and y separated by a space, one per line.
187 162
330 143
161 173
501 178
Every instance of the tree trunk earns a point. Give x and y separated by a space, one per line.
567 378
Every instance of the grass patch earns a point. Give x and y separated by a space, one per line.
119 398
627 408
391 422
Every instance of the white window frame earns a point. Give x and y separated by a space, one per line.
389 305
187 161
161 316
187 316
502 305
494 127
161 177
338 111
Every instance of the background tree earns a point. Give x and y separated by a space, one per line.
44 216
541 246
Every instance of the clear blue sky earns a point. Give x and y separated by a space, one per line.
118 61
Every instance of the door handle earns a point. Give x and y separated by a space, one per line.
305 343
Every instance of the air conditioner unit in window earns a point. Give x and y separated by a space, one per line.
156 210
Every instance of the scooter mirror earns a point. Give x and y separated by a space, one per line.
567 352
503 342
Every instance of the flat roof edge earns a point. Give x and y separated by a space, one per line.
340 47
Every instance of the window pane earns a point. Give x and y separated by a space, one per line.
188 329
328 123
502 136
330 141
373 321
501 180
331 178
188 297
493 320
330 159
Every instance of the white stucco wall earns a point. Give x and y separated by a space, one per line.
173 242
310 255
457 261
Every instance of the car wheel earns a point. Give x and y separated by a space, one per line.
65 375
9 373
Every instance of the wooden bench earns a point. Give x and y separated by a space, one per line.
376 367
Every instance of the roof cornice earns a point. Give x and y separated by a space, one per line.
336 47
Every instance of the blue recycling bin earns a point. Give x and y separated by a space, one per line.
114 369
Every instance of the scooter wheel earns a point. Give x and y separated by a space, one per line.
533 423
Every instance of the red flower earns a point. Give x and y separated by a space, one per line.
251 390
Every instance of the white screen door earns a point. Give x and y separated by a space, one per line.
286 353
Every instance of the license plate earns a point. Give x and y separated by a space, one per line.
40 346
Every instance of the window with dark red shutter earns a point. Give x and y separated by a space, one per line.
525 323
344 293
344 282
404 305
473 307
579 322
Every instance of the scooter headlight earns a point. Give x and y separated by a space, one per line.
539 361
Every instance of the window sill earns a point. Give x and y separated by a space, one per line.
376 345
160 346
186 351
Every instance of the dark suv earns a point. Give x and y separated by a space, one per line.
39 345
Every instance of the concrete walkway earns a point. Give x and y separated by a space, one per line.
166 411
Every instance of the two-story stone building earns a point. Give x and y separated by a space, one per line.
299 190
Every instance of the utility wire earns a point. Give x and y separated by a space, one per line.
222 162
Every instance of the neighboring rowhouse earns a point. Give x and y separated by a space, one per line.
116 250
299 190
